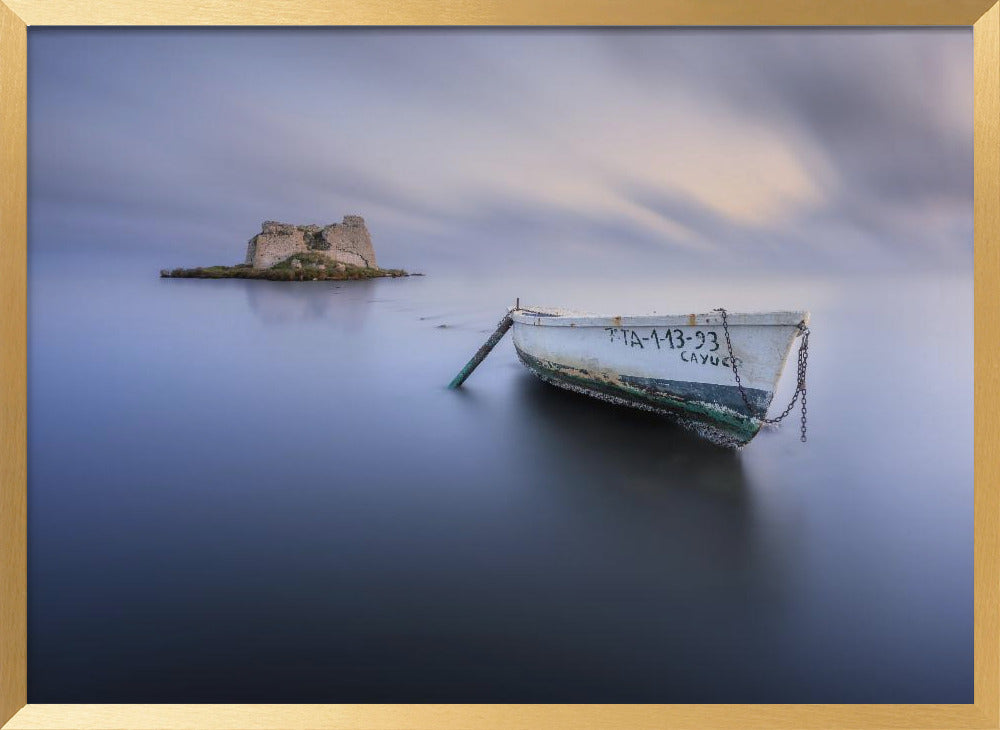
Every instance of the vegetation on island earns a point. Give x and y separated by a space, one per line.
298 267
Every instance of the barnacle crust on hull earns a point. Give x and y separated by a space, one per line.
709 419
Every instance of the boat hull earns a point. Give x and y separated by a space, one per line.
676 366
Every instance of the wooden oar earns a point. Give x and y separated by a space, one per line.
483 351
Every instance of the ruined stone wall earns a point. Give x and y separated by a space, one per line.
275 242
348 242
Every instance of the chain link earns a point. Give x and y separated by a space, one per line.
800 385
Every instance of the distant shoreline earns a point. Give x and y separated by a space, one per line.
295 268
246 272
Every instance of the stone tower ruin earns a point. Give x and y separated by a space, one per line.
346 242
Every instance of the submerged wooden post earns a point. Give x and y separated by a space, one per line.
483 351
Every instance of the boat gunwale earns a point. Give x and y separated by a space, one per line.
555 318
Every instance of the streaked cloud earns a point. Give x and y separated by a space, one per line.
788 149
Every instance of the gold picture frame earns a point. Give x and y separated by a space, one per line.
17 15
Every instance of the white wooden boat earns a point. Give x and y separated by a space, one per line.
677 365
715 373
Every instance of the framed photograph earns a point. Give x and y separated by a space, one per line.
604 365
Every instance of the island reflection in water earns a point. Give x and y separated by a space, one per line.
244 491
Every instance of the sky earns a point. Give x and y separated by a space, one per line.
751 151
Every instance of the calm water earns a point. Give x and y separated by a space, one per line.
255 491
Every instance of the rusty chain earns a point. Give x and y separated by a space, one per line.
800 385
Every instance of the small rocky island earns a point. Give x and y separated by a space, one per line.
289 252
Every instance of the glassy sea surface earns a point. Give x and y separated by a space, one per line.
245 491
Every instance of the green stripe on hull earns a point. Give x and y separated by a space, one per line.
708 418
